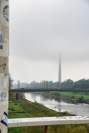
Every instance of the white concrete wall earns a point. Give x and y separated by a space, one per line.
4 74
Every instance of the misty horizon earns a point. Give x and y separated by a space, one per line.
41 31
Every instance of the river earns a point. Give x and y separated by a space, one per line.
77 109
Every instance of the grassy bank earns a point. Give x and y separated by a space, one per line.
75 97
28 109
71 97
85 95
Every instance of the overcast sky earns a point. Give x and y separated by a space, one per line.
41 30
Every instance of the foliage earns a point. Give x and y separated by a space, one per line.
68 84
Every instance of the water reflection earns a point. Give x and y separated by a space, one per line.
77 109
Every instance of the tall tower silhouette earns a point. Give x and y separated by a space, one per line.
60 71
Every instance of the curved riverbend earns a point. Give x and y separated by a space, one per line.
77 109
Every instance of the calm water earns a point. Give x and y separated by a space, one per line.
77 109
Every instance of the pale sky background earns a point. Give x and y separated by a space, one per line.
41 30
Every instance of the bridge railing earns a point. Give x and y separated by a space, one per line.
44 121
47 121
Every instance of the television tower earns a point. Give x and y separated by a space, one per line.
59 71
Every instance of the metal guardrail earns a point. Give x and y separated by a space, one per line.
47 121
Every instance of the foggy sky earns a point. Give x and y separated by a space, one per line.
41 30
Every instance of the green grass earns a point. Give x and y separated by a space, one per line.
28 109
52 129
75 94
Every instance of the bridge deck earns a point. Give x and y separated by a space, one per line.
43 121
23 90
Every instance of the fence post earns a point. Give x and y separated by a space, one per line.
46 129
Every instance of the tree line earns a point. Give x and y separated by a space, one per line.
68 84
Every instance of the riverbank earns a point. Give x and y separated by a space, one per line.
24 108
70 97
59 106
